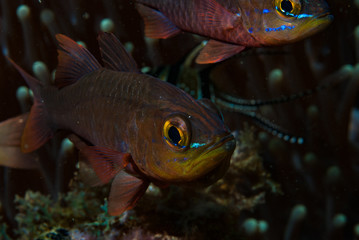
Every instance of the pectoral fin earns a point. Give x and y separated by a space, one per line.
126 190
105 162
216 51
157 25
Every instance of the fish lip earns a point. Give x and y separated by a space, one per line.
325 14
219 143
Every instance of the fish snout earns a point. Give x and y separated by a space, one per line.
230 145
226 143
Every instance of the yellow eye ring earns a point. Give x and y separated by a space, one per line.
176 132
288 8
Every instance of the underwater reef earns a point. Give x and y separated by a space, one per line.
277 187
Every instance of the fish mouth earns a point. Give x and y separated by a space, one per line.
227 139
212 158
315 24
215 153
325 16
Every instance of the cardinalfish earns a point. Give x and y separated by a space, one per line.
130 127
233 25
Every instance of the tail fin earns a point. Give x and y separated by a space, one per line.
37 130
10 138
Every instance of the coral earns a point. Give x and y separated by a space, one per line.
244 185
138 233
39 215
3 227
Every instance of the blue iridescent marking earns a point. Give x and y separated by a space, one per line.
197 145
266 11
294 15
281 28
250 30
304 15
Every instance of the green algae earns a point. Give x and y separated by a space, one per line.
3 227
80 209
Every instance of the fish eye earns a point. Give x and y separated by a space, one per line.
176 132
287 8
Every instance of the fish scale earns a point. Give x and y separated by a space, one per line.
92 94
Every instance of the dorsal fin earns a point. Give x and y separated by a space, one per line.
114 55
157 25
75 61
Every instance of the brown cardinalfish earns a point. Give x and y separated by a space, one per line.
233 25
132 128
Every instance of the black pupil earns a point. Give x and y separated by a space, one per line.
286 6
174 135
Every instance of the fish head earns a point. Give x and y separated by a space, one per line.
277 22
188 141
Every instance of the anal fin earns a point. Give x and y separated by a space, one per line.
126 190
216 51
157 25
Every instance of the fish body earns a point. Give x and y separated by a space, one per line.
131 128
131 109
233 25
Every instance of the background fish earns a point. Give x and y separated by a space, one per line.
233 25
125 120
